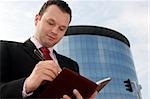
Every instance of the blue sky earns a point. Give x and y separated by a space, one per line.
129 17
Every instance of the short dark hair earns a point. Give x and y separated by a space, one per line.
61 4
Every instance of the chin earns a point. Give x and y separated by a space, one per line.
50 44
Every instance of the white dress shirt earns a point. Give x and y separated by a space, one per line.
53 56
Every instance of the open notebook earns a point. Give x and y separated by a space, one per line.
68 80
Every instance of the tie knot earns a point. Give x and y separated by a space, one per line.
44 50
45 53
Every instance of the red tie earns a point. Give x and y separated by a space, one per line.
45 53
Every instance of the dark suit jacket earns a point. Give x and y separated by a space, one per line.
17 61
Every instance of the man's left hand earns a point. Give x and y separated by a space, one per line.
78 95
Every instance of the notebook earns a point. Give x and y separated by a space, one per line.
68 80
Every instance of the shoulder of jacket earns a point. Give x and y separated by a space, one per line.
62 56
10 42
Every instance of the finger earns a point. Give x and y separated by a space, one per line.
93 95
48 76
50 72
49 65
66 97
59 69
53 66
44 74
77 94
40 72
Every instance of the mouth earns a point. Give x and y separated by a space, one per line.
50 37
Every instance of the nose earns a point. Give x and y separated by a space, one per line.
55 30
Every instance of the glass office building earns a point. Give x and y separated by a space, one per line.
101 52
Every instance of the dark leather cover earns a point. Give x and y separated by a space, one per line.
65 82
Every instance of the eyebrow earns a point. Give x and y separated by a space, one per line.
64 26
51 20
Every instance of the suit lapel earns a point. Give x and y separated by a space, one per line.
59 59
29 47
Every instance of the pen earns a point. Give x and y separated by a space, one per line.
38 54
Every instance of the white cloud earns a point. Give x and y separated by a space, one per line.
17 19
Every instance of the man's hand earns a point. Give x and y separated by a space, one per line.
44 70
95 93
78 95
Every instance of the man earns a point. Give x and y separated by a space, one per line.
22 72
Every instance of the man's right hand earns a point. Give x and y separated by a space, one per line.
44 70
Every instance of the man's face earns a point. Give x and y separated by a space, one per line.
51 26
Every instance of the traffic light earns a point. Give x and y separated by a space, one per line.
128 85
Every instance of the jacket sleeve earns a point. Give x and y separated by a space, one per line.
12 89
8 88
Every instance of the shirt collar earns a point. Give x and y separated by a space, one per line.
38 45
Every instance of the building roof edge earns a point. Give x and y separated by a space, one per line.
96 30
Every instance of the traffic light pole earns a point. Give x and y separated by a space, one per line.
136 89
138 95
132 86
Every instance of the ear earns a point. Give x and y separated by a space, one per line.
37 18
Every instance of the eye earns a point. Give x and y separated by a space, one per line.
51 23
62 28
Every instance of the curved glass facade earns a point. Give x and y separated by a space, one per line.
102 56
